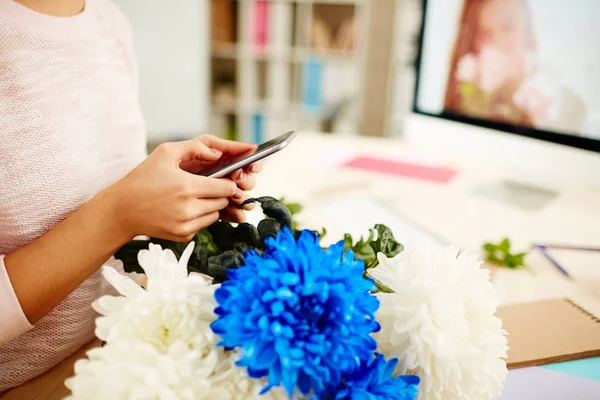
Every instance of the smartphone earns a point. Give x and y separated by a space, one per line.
226 166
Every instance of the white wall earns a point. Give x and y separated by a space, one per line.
171 40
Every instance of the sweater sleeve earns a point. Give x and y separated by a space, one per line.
13 321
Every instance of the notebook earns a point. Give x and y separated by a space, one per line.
549 331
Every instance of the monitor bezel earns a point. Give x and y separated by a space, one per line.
549 136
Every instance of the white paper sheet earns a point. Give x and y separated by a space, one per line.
539 383
356 215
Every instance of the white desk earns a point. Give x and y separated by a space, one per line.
308 172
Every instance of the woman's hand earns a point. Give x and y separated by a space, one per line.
244 179
158 198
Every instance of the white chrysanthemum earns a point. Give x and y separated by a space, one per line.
134 370
238 384
174 308
125 370
440 323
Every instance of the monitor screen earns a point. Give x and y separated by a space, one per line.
530 67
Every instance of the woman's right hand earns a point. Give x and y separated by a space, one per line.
161 200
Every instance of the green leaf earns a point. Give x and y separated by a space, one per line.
347 242
492 257
323 233
204 240
386 243
362 249
380 240
504 245
294 208
500 254
381 288
203 250
519 258
222 234
489 247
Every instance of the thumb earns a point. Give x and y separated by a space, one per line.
194 149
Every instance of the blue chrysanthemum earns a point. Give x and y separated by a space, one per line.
302 315
374 381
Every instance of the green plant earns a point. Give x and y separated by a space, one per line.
500 254
221 246
380 240
295 208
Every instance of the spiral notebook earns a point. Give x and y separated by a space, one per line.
549 331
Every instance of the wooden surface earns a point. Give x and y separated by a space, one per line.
308 172
49 386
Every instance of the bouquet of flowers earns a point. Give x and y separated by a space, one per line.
267 312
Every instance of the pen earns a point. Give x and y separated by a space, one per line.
567 247
544 251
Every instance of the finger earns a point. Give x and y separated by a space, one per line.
199 207
204 187
179 239
243 180
192 227
239 198
233 214
226 146
190 150
208 206
254 168
192 166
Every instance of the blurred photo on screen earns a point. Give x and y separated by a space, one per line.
529 63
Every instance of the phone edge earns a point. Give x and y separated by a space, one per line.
255 157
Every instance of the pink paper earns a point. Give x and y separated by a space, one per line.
412 170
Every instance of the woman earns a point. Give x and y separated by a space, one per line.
494 75
71 194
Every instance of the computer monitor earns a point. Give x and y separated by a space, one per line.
515 83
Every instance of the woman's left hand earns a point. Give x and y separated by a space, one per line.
244 179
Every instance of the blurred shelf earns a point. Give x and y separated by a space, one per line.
298 54
225 50
266 107
303 54
271 73
221 106
340 2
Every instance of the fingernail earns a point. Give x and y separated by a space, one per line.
240 176
253 168
238 194
216 152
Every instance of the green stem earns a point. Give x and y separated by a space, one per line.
381 287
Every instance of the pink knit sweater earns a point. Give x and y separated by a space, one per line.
70 124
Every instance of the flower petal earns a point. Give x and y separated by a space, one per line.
124 285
